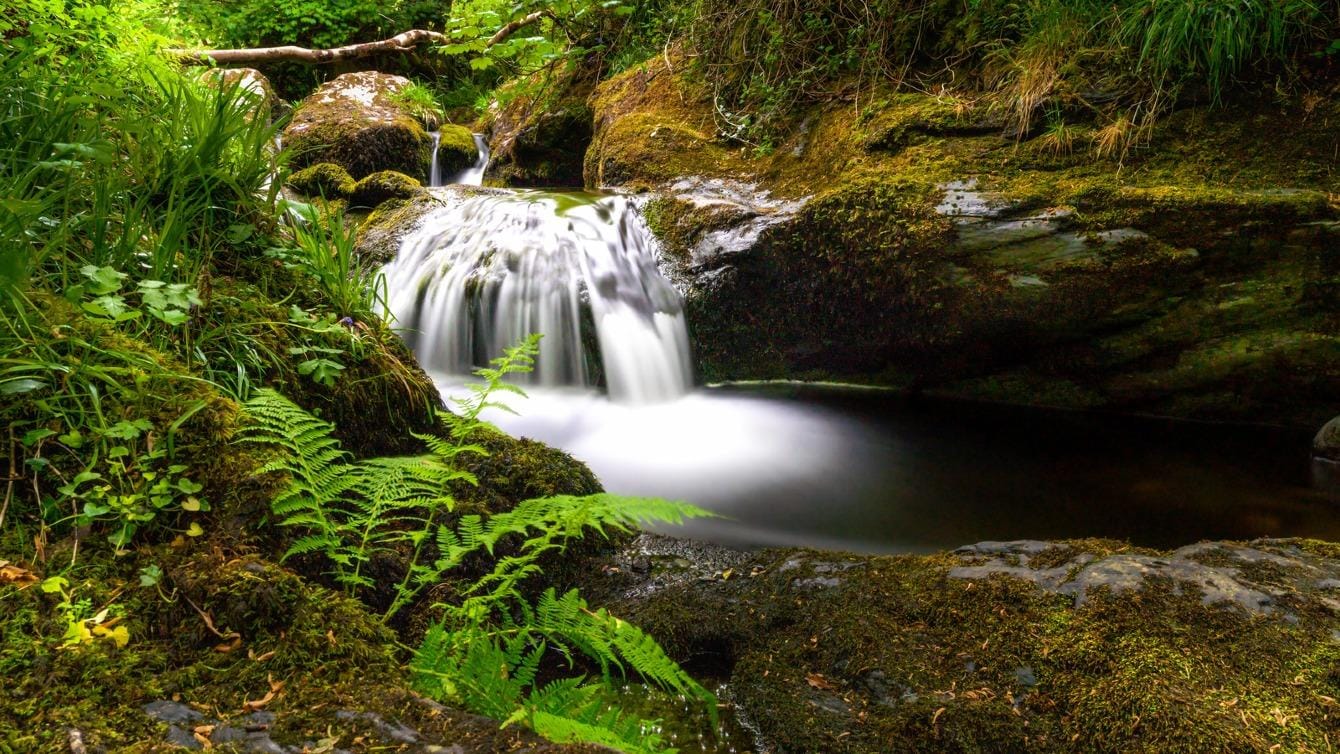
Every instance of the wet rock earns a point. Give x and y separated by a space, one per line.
1326 445
542 141
355 122
940 261
1219 573
381 233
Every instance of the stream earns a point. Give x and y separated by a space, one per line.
792 464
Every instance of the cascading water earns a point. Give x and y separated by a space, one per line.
492 267
471 176
435 171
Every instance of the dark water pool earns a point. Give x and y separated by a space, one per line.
876 472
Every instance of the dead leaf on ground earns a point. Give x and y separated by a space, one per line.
201 733
255 705
12 574
818 681
229 646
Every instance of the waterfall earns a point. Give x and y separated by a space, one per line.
435 171
474 175
471 176
491 267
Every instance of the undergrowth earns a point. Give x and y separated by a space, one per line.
765 58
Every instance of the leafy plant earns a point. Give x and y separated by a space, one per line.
487 651
352 511
323 246
82 625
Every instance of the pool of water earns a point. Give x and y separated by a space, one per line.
871 471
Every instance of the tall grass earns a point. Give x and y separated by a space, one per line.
765 57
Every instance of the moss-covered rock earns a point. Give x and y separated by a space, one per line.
354 122
1192 278
1024 646
456 150
382 231
324 179
254 85
382 186
540 140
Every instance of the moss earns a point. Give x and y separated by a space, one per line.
324 179
380 233
520 469
1227 292
830 652
382 186
353 121
456 149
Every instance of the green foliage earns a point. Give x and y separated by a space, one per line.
308 23
354 511
421 103
126 184
323 247
486 651
766 57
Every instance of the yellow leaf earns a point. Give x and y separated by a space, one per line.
194 530
119 635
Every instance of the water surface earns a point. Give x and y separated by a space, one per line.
875 472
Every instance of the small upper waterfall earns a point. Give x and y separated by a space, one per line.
435 171
471 176
490 268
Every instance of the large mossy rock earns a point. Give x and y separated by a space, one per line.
1021 646
909 244
355 122
541 140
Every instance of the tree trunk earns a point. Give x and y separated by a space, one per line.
403 42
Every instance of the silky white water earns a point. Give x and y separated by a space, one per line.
470 176
491 267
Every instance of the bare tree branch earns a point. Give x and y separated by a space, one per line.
403 42
512 27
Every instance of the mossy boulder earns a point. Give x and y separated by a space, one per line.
1018 646
252 84
908 244
382 186
324 179
1326 444
354 121
456 150
382 231
541 140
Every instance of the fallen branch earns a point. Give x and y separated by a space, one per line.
402 42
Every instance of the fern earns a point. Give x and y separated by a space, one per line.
483 653
350 510
487 651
